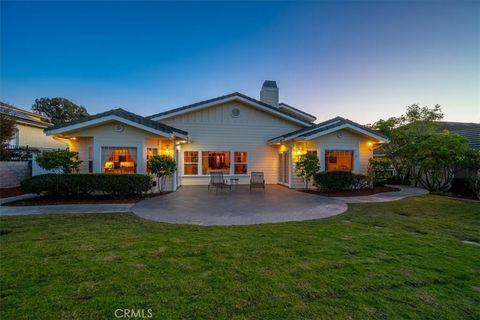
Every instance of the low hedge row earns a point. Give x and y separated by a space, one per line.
339 180
78 185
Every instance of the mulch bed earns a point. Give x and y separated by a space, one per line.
97 199
353 193
10 192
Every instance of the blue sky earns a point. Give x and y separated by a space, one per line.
361 60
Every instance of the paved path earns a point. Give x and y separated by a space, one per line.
386 196
197 205
66 208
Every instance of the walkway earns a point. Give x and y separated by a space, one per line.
386 196
197 205
66 208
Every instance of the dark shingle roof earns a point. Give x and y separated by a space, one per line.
326 125
297 110
125 115
469 130
231 95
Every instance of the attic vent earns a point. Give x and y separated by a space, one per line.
235 112
119 128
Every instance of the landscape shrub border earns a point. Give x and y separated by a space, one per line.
330 181
81 185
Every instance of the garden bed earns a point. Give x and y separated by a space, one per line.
95 199
10 192
353 193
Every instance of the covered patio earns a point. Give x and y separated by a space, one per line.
197 205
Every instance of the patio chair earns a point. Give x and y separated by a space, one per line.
257 180
217 181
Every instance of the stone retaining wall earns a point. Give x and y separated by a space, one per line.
12 172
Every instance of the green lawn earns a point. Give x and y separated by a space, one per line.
395 260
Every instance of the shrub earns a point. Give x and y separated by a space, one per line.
78 185
306 166
334 180
397 180
64 160
162 167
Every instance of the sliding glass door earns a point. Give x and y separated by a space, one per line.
283 167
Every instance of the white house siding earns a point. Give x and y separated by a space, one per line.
341 140
84 147
35 137
214 129
106 135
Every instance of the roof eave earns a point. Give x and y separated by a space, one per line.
228 98
109 118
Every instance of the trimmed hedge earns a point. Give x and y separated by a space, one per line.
78 185
339 180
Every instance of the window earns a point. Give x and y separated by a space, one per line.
190 162
119 160
90 159
240 165
215 161
14 141
312 152
151 152
339 160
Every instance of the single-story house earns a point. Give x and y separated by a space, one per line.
234 133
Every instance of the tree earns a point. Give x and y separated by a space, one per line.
59 110
65 160
7 131
471 164
306 166
406 132
437 158
162 167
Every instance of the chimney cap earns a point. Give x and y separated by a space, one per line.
269 84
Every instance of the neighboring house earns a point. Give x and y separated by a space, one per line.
235 134
469 130
29 129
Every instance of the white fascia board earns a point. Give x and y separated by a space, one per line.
301 114
112 118
216 102
293 137
347 126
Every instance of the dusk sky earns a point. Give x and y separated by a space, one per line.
360 60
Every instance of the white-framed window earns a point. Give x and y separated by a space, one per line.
240 162
119 159
151 152
215 161
339 160
190 162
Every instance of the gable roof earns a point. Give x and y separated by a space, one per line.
326 127
289 109
122 116
24 116
226 98
469 130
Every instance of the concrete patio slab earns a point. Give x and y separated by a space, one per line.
197 205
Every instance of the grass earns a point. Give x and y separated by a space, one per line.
394 260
